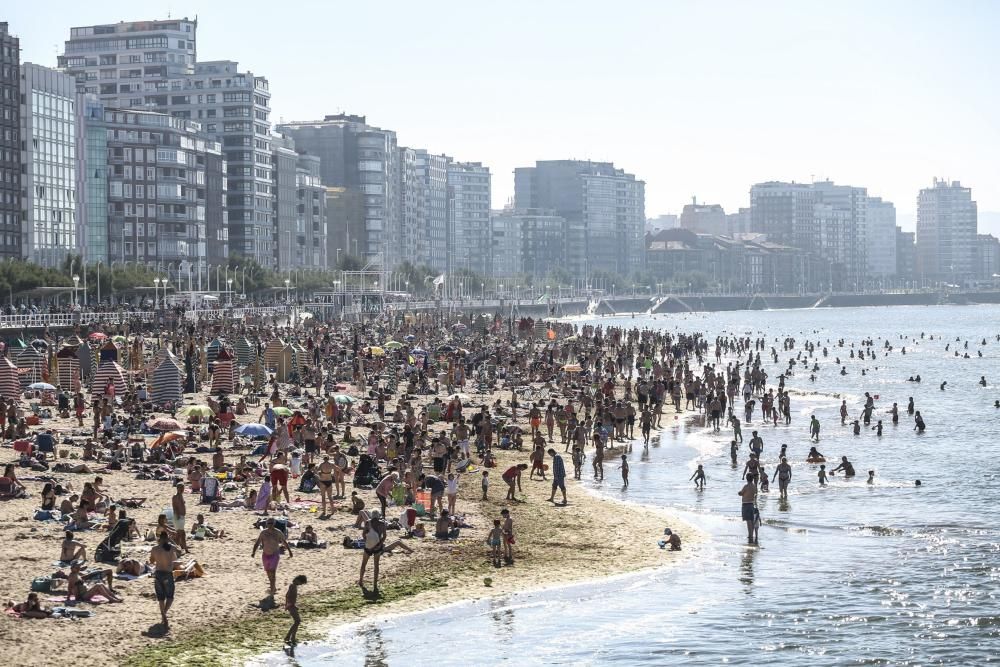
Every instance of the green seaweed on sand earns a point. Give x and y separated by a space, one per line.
228 643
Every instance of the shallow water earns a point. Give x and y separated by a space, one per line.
847 574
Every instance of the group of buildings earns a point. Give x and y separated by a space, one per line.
133 150
821 236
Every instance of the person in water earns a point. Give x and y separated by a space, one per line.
699 477
749 511
814 456
918 423
846 466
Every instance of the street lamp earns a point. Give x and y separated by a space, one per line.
76 283
156 284
287 283
229 285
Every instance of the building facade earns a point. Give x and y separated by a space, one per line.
51 117
283 163
906 256
125 63
365 160
505 244
93 184
469 196
604 208
10 145
310 247
881 239
704 218
947 223
987 257
159 171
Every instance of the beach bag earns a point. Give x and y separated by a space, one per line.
41 584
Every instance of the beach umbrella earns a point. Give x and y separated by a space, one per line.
418 350
254 430
282 412
343 398
446 348
164 424
196 411
97 335
169 436
392 345
572 368
409 338
458 326
41 386
376 351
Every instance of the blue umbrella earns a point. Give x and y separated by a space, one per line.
254 430
41 386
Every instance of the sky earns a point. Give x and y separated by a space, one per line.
698 99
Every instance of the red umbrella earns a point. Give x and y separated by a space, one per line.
97 335
165 424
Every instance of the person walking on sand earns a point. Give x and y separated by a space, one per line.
162 556
558 476
291 606
270 542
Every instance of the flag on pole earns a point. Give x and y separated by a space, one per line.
439 281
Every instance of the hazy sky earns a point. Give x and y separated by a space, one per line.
696 98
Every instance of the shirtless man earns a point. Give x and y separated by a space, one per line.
162 556
784 474
270 542
325 478
749 510
180 512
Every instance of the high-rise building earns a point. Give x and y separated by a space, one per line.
51 117
822 217
604 208
233 108
947 222
537 239
92 180
432 172
153 65
906 255
469 193
10 145
987 257
881 238
310 249
364 159
704 218
505 244
283 163
159 203
123 63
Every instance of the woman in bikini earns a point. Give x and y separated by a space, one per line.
77 588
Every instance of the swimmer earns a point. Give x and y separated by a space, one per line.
918 423
814 456
822 475
982 380
871 476
943 385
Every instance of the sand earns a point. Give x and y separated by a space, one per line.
590 537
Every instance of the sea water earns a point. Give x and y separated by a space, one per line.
852 573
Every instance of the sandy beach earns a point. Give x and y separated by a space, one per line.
227 615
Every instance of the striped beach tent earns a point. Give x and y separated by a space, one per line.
245 352
69 366
213 348
158 358
167 382
300 356
273 352
109 371
10 384
257 373
107 352
225 376
31 365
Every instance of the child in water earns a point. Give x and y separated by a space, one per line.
624 468
822 475
699 477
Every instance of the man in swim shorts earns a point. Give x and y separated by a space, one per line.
270 542
163 556
325 478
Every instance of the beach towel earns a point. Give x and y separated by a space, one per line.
263 495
